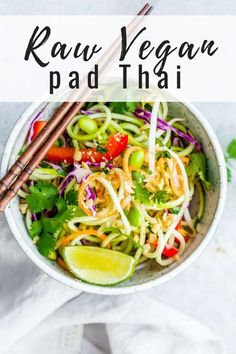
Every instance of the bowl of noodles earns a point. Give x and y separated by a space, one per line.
124 200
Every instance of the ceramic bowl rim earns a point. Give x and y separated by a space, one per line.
73 283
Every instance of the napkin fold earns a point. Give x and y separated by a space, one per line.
38 314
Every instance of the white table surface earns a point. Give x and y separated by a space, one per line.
207 290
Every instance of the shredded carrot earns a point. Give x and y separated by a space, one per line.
179 225
99 194
61 263
152 240
118 176
185 159
82 194
71 237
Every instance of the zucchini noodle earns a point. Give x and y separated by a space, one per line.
116 202
152 135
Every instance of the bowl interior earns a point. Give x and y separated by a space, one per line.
151 274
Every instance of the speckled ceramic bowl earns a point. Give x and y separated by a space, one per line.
151 275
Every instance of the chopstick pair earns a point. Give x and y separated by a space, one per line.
24 166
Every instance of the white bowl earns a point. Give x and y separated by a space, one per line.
153 274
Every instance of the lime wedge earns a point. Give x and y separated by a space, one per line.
98 265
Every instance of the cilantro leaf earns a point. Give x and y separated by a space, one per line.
140 192
71 197
49 228
231 149
138 177
122 107
130 106
161 197
42 196
197 166
165 154
46 244
143 195
55 224
231 154
35 229
60 204
175 210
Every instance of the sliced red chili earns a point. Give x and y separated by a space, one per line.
170 251
116 144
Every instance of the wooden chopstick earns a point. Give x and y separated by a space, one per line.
25 164
23 160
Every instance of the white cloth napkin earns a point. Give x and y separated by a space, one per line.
39 315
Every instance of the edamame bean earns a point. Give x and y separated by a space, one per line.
137 158
88 125
134 217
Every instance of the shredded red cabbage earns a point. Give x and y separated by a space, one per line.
163 125
50 213
34 217
177 142
35 119
78 173
88 112
91 195
53 165
142 114
98 164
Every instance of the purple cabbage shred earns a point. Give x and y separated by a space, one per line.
163 125
53 165
88 112
90 195
38 116
78 173
98 164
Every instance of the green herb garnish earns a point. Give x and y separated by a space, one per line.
175 210
230 155
161 197
71 197
122 107
101 149
43 196
140 192
231 150
197 167
165 154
